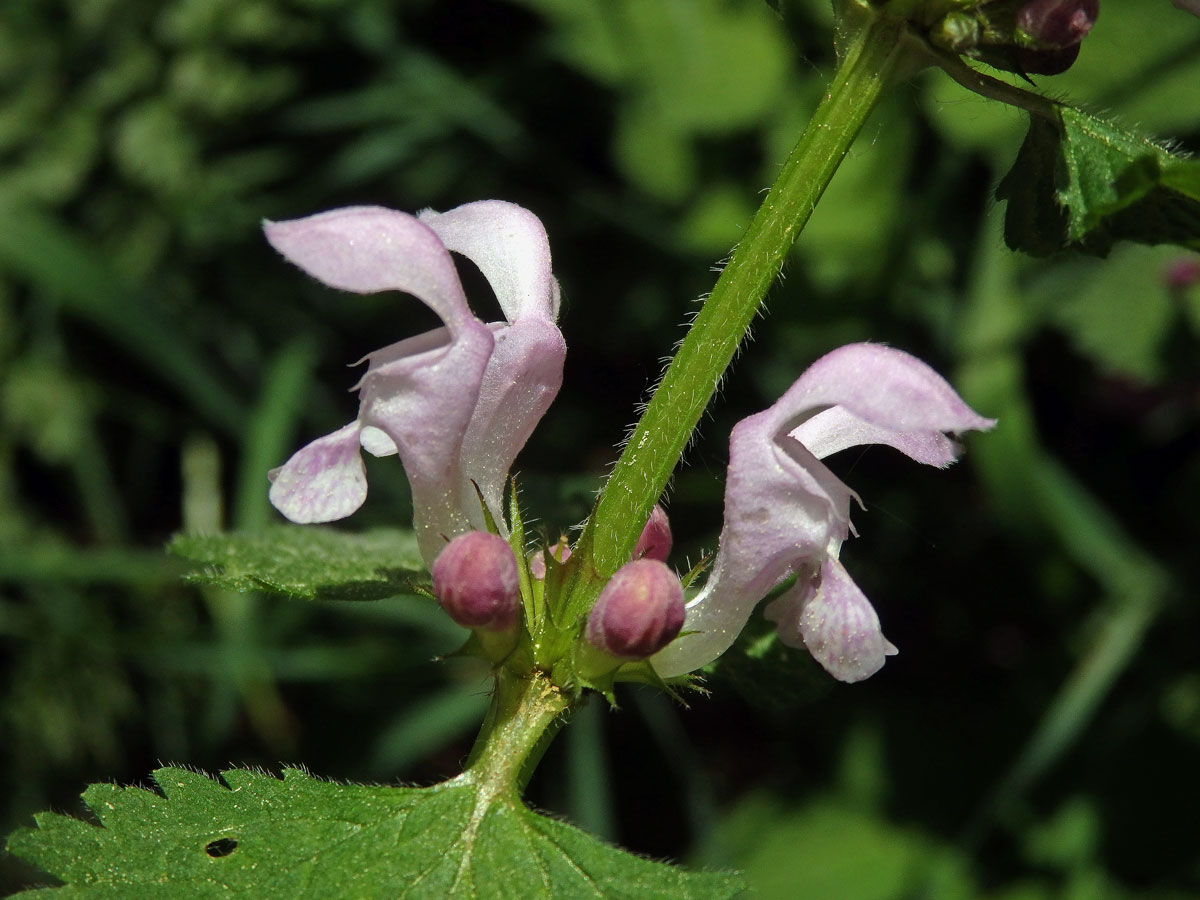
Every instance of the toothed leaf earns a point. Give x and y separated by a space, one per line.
300 837
307 562
1083 183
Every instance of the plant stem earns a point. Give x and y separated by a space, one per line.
525 714
995 89
868 57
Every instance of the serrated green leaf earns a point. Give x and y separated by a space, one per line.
307 562
1081 182
301 837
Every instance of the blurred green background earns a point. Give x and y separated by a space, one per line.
1038 736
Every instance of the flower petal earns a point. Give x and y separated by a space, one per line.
836 623
836 428
376 442
509 245
522 379
881 386
367 249
423 404
783 509
785 512
323 481
417 396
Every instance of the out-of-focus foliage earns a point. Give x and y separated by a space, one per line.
1037 735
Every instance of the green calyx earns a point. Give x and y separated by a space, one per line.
548 640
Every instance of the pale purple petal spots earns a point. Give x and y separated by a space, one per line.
323 481
836 623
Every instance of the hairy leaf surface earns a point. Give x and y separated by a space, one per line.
307 562
1083 183
257 836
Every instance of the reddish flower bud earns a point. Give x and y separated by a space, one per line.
639 611
655 541
537 560
475 580
1182 274
1057 24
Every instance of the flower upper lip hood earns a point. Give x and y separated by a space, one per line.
787 514
525 371
456 403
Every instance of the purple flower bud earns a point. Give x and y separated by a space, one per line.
639 611
1182 274
475 580
655 541
1057 24
537 560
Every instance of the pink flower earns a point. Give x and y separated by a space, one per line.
787 514
457 403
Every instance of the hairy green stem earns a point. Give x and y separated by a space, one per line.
869 53
525 714
994 89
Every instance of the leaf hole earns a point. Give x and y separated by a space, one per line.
221 847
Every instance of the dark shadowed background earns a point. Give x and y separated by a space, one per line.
1038 735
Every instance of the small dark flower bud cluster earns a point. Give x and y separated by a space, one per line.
475 580
1029 37
1054 29
1056 24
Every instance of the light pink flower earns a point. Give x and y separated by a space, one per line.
456 403
787 514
